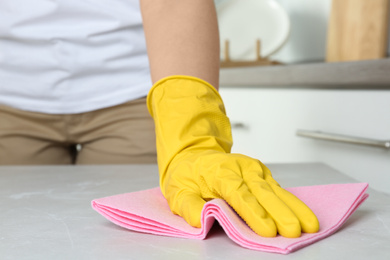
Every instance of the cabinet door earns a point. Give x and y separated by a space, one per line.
265 122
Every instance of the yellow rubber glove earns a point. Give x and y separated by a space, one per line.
193 145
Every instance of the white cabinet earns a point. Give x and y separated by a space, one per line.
265 121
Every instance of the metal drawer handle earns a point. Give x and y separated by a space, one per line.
344 138
238 125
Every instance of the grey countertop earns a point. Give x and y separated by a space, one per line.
367 74
46 214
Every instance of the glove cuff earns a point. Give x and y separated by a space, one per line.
176 77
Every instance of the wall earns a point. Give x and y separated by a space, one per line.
309 22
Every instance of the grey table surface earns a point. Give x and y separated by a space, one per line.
46 214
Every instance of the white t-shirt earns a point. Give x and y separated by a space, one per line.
71 56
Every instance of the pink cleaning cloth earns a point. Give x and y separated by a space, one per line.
148 211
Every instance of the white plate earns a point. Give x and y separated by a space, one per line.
242 22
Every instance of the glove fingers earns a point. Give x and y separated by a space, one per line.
286 221
188 205
247 206
307 218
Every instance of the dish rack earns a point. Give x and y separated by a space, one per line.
259 61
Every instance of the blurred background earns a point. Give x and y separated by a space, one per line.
320 72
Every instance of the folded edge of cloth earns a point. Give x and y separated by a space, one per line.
147 211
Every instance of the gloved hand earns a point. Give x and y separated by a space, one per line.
194 140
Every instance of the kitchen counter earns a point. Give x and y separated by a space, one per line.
46 214
366 74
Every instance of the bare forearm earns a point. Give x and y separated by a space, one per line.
182 38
